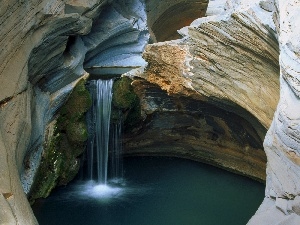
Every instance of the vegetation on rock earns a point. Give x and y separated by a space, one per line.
125 101
60 163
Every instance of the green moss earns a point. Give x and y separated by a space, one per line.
59 164
125 101
123 94
49 170
79 102
77 131
134 116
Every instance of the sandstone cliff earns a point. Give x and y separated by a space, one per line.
209 96
223 76
281 205
238 48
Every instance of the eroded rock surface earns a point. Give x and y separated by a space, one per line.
184 127
117 39
281 205
233 84
38 63
15 117
165 17
209 96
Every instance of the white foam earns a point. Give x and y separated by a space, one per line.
100 191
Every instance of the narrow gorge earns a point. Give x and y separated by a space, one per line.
213 81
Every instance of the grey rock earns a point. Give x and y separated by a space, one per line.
295 205
117 39
283 205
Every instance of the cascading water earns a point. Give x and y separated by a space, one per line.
116 163
99 132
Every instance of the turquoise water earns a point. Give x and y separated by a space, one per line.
156 191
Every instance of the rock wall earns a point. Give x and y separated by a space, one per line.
165 17
39 63
281 205
117 39
180 126
219 84
44 47
226 87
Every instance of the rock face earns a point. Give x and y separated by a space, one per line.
65 141
184 127
15 134
165 17
209 96
117 39
218 95
215 7
39 62
281 205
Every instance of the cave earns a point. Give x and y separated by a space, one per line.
201 88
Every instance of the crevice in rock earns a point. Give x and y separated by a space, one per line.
71 41
5 101
7 195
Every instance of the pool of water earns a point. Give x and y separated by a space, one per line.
155 191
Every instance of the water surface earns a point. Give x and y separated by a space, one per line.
156 191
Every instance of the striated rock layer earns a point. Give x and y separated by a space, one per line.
44 48
39 67
282 202
209 96
218 92
183 127
117 39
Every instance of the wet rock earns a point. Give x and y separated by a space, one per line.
125 103
65 141
184 127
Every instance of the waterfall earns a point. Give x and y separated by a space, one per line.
98 119
116 146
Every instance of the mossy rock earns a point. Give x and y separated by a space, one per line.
78 103
125 103
77 132
60 163
71 169
49 170
133 117
123 94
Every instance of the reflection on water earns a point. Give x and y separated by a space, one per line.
156 191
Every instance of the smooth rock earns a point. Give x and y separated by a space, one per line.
6 216
282 140
38 59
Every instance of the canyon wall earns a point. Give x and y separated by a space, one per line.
45 47
282 201
164 18
209 96
229 61
40 63
216 91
